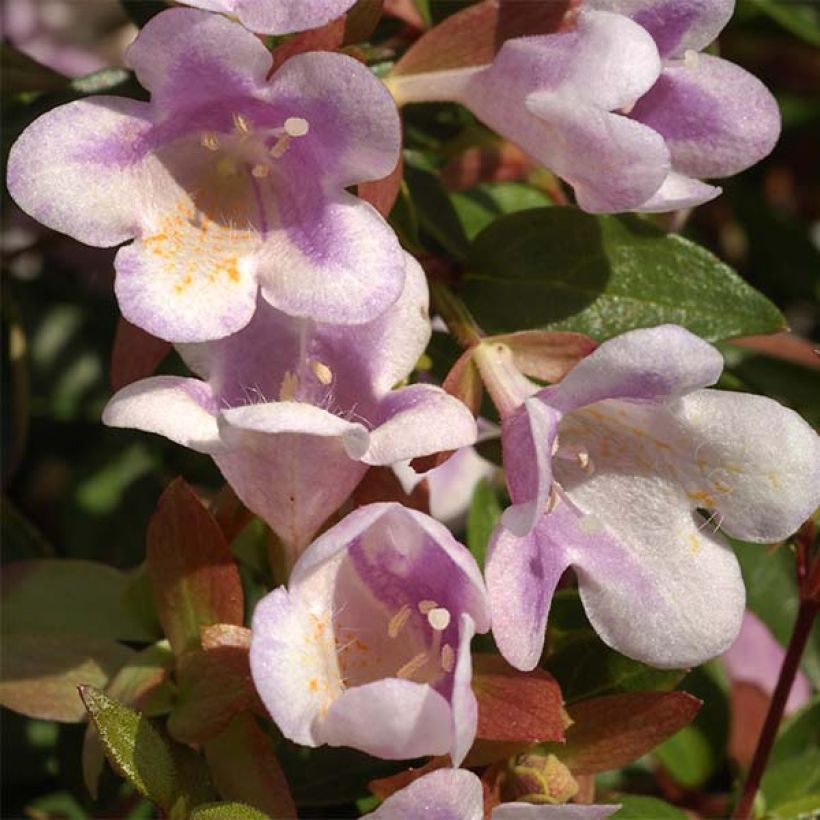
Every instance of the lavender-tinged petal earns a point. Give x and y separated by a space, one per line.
81 169
391 718
419 420
464 706
756 657
284 18
333 259
717 119
528 436
355 131
678 192
528 811
675 25
284 659
189 58
445 794
182 410
753 462
522 574
649 364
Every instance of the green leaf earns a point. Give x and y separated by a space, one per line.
482 517
21 539
227 811
771 593
803 808
792 779
695 753
799 732
800 19
479 206
41 672
562 269
63 596
635 807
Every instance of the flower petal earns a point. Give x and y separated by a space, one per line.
678 192
463 701
649 364
288 666
522 574
80 169
528 436
419 420
283 18
676 25
391 718
182 410
717 119
528 811
752 461
189 58
355 133
445 794
333 258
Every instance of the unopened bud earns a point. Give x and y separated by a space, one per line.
540 779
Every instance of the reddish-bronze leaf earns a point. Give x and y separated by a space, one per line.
193 574
406 11
327 38
381 484
464 382
215 685
516 706
499 161
547 355
614 730
244 767
135 355
230 513
383 787
382 193
361 20
473 36
784 346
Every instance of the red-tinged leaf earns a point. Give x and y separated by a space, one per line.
135 355
473 36
464 382
193 574
383 787
405 10
214 686
381 484
361 20
244 767
547 355
502 161
230 513
492 780
516 706
614 730
749 705
784 346
41 673
225 635
327 38
382 193
143 683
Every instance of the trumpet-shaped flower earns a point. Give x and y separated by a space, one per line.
456 794
229 183
294 411
559 97
279 17
369 644
716 118
609 472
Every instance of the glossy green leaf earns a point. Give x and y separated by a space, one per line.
479 206
41 672
803 808
562 269
799 18
482 517
799 732
227 811
638 807
792 779
63 596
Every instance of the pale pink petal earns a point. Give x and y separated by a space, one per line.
445 794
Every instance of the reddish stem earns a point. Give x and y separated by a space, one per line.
802 628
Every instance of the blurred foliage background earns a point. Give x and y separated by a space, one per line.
75 489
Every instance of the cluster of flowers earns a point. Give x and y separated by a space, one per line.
298 311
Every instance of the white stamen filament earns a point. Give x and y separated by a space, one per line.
439 618
448 658
395 624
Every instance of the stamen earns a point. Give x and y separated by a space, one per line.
296 126
260 170
412 666
242 124
590 524
322 372
448 658
395 624
691 59
439 618
209 141
555 446
425 606
290 383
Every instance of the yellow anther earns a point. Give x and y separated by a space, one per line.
395 624
322 372
209 141
242 124
260 170
425 606
290 383
412 666
448 658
